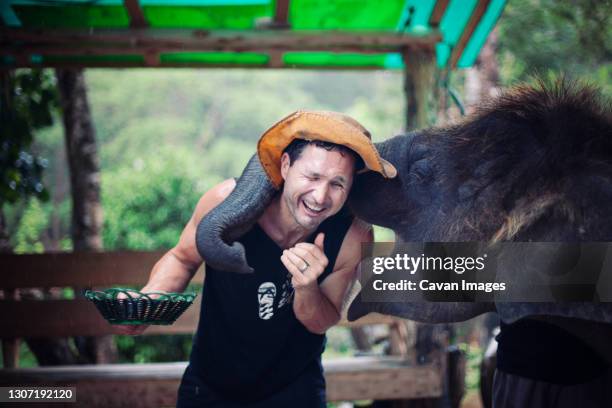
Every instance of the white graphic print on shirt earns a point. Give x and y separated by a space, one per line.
265 295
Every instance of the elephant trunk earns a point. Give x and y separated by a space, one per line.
381 201
427 312
222 226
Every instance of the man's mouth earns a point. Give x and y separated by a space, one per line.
312 209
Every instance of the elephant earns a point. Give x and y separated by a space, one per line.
533 164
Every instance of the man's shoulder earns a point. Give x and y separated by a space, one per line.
212 198
222 190
361 230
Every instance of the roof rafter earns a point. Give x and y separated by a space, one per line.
281 14
137 18
438 13
479 11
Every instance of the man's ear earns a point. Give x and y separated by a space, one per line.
285 164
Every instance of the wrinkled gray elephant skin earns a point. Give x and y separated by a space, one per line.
535 164
233 218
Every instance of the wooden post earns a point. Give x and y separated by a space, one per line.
10 347
419 87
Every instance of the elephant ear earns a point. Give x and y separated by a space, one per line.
218 231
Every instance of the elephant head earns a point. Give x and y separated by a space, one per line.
535 164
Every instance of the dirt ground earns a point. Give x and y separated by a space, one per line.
471 400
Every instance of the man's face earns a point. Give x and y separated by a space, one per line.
316 184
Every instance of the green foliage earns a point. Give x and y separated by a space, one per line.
32 224
26 357
339 343
227 158
28 99
474 358
147 204
538 36
238 104
382 234
153 349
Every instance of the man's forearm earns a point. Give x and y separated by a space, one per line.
314 309
170 274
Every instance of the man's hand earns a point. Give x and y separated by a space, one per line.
306 262
132 329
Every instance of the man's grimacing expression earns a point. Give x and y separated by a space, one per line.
316 184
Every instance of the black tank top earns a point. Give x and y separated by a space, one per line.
249 343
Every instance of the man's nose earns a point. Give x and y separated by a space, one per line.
320 193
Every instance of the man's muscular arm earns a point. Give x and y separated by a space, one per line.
318 307
174 270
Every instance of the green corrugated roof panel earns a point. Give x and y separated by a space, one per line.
406 17
452 25
85 59
350 15
201 14
171 59
416 13
73 16
477 40
330 59
239 16
216 58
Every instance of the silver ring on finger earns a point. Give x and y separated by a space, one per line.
306 265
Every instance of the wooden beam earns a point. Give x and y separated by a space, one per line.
78 317
57 50
187 40
131 64
151 43
479 10
46 318
379 378
146 385
137 18
438 13
84 269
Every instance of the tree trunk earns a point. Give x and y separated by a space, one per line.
482 80
82 154
83 162
5 245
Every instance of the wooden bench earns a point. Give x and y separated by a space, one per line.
151 385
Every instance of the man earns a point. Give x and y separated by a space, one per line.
261 335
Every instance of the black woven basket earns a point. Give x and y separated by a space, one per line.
140 308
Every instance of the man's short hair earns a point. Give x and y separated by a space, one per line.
296 147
